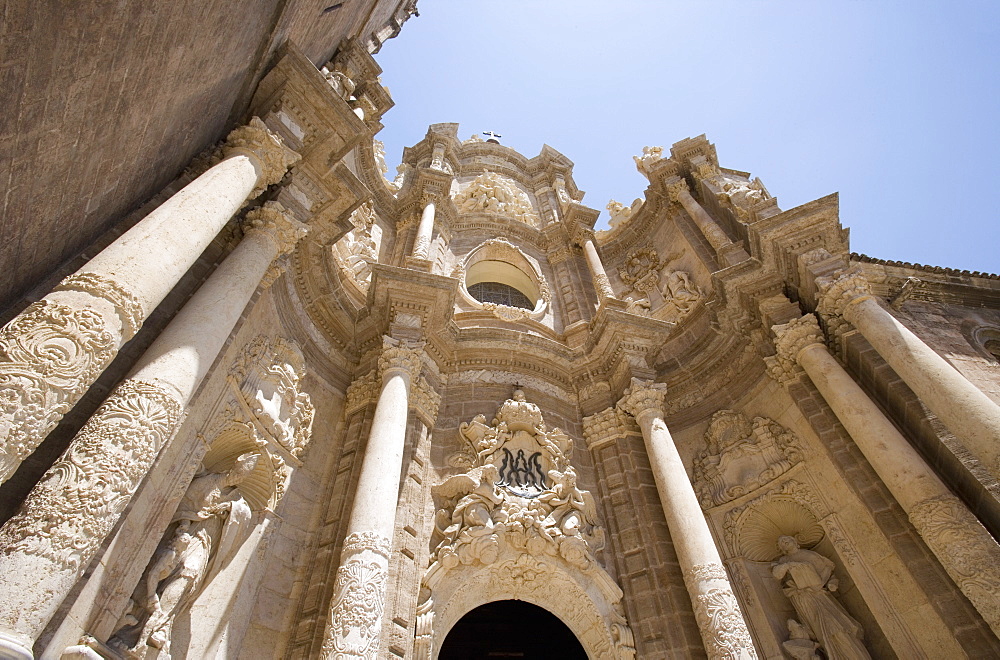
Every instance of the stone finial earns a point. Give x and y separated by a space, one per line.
643 397
675 189
793 336
278 224
399 354
273 157
837 293
604 427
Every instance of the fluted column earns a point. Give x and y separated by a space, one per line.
972 416
962 545
48 544
728 252
51 353
597 272
720 621
355 624
425 230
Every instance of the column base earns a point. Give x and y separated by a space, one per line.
14 646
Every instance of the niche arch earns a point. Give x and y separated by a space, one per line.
498 260
513 628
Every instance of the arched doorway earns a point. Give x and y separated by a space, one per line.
511 629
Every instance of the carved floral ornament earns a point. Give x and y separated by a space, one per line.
741 456
494 193
515 524
256 140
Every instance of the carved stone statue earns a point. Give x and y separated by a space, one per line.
649 156
494 193
208 529
620 214
680 293
807 579
800 644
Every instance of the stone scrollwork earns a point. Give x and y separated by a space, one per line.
128 308
425 401
966 550
742 195
49 355
680 295
792 337
494 193
640 265
741 456
256 140
75 505
720 621
604 427
359 598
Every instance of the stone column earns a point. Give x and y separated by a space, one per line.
422 243
967 412
355 624
597 272
51 353
728 252
47 545
963 546
720 621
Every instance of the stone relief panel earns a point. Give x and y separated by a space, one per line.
741 456
359 248
494 193
514 524
654 288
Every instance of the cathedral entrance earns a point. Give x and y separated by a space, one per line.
511 629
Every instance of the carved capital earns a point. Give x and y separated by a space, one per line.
795 335
360 393
836 294
278 224
966 550
76 504
400 355
126 305
676 190
255 140
644 397
782 370
604 427
425 401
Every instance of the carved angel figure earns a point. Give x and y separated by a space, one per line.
208 529
649 156
680 291
620 214
808 581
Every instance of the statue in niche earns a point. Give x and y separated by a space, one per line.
205 534
807 579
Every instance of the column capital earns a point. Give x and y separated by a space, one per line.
273 220
425 401
604 427
582 234
792 337
255 140
838 292
677 188
643 397
400 355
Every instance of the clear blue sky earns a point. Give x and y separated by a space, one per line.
895 105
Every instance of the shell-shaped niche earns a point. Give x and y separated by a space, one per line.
760 526
265 485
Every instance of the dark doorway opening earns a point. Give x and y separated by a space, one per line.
508 630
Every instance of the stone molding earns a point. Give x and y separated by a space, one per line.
967 551
837 293
51 354
126 305
643 397
254 139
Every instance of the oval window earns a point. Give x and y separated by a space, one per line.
500 294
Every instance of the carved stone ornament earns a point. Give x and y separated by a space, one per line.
639 265
494 193
517 515
378 151
680 295
273 220
742 195
837 293
643 397
358 249
966 550
753 530
425 401
401 355
619 214
604 427
272 156
676 190
269 373
741 456
359 598
792 337
50 354
126 305
650 155
717 612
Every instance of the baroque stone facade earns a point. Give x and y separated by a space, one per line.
348 412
